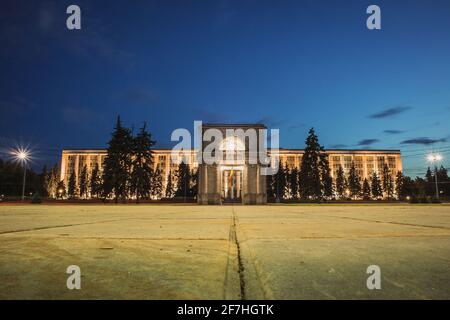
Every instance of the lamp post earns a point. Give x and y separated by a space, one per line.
434 158
22 156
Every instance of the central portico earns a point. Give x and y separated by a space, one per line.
232 178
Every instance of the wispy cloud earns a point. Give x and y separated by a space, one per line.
338 146
367 142
393 131
423 140
390 112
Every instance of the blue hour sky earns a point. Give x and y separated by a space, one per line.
289 64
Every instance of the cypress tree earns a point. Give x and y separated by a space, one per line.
169 186
366 189
341 183
83 182
156 184
183 180
399 186
141 175
377 192
72 191
310 184
44 182
95 183
388 183
325 176
293 183
353 182
280 183
60 189
116 172
194 183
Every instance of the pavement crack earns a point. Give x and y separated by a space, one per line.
239 256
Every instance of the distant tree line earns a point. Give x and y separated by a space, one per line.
128 173
313 181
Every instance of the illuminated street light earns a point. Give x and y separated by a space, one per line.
22 155
434 158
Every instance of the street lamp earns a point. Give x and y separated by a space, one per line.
433 158
22 155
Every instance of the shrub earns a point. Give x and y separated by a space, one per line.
36 198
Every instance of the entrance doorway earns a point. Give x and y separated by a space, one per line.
231 185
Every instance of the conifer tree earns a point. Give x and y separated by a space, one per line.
429 178
44 182
60 189
72 190
310 184
83 183
354 185
156 183
117 166
95 183
366 190
399 186
194 183
141 175
293 183
377 192
388 183
325 176
280 183
169 193
341 183
183 180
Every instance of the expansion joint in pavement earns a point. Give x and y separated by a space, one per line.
235 240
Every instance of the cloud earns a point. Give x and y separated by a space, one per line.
423 140
296 126
367 142
389 112
393 131
338 146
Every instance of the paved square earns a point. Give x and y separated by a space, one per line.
224 252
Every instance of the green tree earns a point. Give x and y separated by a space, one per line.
388 183
156 183
44 182
310 184
325 176
280 183
95 182
183 181
366 189
194 183
293 183
83 183
354 184
141 175
341 183
377 192
399 186
72 190
61 189
169 193
117 167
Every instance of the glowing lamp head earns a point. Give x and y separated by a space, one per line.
434 157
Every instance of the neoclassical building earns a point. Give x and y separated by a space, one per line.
236 179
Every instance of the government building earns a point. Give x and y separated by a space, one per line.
236 179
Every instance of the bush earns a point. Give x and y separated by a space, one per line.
36 198
414 200
435 200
